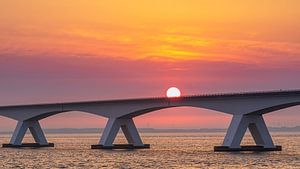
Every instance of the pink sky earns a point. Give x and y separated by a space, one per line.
71 51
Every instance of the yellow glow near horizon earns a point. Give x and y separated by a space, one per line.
152 29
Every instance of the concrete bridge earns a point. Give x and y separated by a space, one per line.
247 110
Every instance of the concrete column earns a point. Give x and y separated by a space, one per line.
130 131
235 132
112 128
260 133
37 133
257 127
110 132
35 130
19 133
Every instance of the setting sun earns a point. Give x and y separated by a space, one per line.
173 92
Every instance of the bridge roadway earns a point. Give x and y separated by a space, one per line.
247 110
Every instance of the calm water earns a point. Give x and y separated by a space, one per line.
168 150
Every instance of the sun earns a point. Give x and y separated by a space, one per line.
173 92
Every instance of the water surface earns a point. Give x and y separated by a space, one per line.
168 150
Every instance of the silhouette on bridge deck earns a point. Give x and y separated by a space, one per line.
247 110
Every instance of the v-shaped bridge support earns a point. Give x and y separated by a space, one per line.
36 131
111 130
237 130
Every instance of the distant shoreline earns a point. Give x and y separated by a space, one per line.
157 130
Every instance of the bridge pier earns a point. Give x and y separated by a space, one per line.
111 130
36 131
258 130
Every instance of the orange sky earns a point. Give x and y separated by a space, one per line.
72 50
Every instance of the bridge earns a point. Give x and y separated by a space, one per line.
247 110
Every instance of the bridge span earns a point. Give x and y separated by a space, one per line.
247 110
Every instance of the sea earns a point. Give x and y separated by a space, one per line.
168 150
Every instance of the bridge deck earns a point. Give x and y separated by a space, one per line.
216 95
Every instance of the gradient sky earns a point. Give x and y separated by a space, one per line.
54 51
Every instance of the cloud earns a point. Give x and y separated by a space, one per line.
140 42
